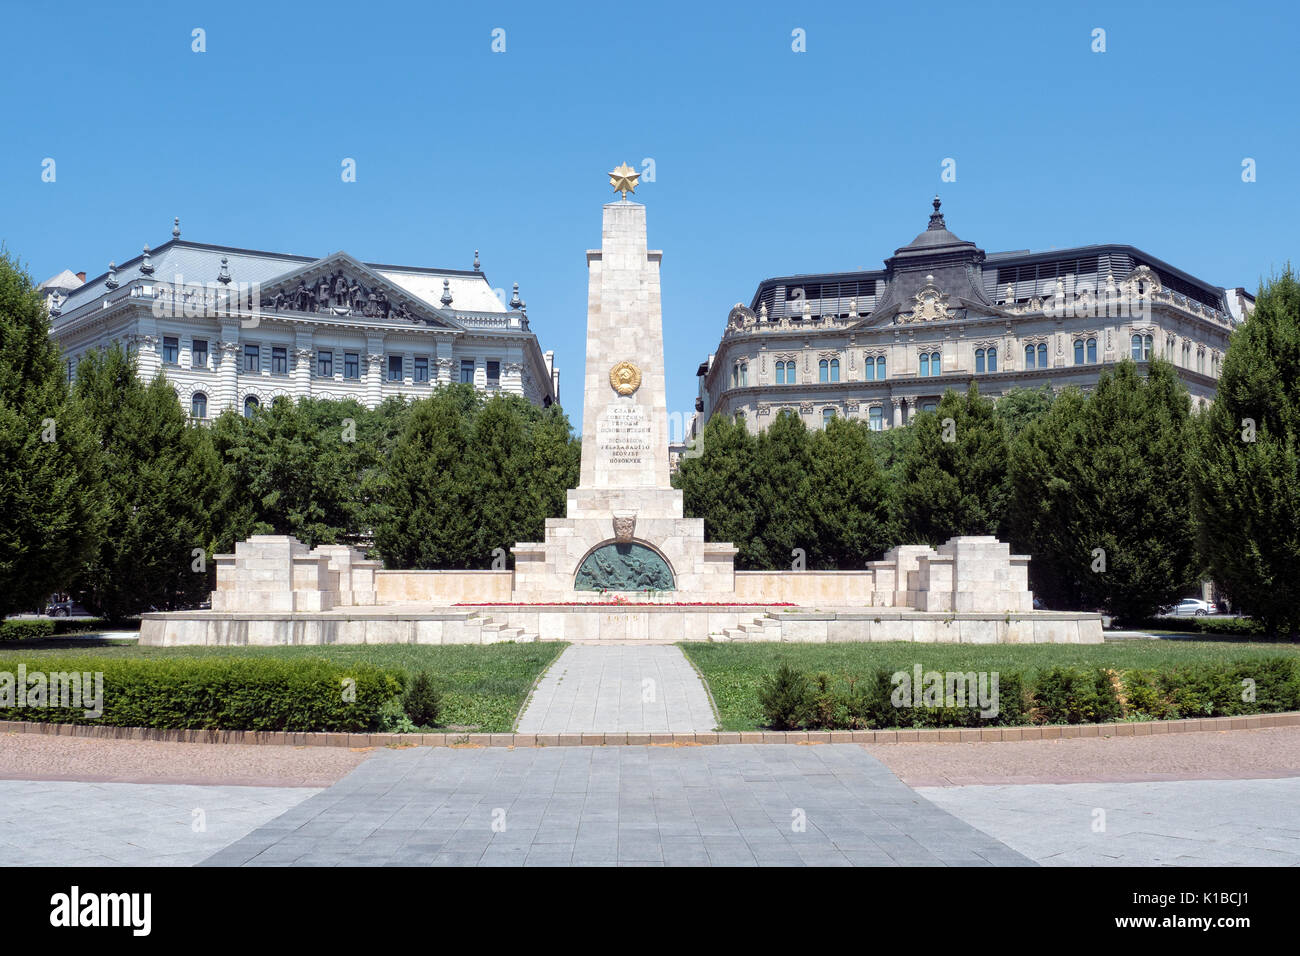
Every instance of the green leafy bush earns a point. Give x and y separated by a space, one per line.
25 629
271 694
422 701
1057 695
784 696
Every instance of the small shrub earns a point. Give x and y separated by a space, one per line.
784 698
1064 695
422 701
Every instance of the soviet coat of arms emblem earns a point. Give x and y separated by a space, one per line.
625 378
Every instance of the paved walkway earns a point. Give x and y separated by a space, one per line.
736 805
63 823
1174 823
611 687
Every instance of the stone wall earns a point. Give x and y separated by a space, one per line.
443 587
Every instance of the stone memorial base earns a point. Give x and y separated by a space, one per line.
276 591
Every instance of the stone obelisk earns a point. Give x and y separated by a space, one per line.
623 529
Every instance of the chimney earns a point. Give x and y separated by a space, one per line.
82 277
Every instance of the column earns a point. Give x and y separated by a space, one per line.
374 370
512 377
227 353
898 412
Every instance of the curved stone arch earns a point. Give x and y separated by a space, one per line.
635 541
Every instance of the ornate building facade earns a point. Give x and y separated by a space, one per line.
235 328
885 344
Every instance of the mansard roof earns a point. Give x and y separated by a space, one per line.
202 263
967 273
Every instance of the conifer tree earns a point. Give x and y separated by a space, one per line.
160 483
1247 472
851 499
49 477
1102 488
954 471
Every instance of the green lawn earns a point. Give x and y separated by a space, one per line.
483 686
733 671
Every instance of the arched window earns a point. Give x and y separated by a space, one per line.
876 419
979 361
251 405
1029 356
198 405
925 364
827 415
993 360
880 368
1042 355
823 371
936 363
1092 351
791 373
744 374
1147 342
835 370
869 370
1136 343
1078 351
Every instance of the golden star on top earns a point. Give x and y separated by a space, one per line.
623 179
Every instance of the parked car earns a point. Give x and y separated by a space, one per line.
65 608
1193 607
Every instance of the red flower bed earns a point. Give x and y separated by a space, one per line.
625 604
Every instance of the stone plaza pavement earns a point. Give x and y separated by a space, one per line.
70 823
629 806
1164 823
618 687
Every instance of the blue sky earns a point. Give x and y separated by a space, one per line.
767 161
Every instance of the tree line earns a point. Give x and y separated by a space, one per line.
1124 496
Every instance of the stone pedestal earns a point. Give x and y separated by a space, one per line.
279 574
973 574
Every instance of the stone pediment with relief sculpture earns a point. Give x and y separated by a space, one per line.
930 304
341 286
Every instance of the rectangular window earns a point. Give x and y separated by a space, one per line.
876 418
199 353
325 363
394 368
467 371
351 365
494 374
279 361
421 368
252 359
171 350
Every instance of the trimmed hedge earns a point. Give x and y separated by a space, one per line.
1241 626
1058 695
272 694
65 625
17 630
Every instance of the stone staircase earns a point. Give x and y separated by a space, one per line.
490 632
765 627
